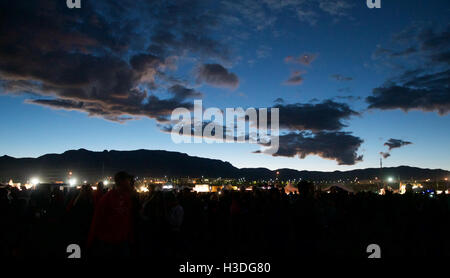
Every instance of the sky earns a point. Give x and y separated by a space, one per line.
352 84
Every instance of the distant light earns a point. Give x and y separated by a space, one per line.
105 182
35 181
201 188
167 187
446 179
390 179
72 182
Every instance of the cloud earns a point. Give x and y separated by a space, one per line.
265 13
385 154
396 143
263 51
349 98
335 7
304 59
339 77
325 116
279 100
143 62
314 129
310 17
109 59
407 98
217 75
393 144
252 13
184 27
339 146
424 82
180 92
91 108
296 78
380 52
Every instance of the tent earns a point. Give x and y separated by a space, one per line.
339 186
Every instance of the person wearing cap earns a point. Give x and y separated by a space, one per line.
111 233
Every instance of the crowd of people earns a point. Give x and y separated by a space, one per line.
120 222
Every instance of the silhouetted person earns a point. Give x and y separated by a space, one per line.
111 233
81 213
98 194
174 215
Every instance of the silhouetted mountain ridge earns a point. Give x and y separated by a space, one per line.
91 165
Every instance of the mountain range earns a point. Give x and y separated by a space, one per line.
92 166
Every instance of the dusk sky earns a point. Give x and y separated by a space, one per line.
353 84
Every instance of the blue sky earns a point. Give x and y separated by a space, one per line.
259 35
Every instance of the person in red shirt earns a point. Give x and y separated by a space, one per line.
112 228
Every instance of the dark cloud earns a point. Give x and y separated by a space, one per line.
279 100
180 92
393 144
339 146
295 79
265 13
314 129
396 143
304 59
407 98
217 75
183 27
154 107
102 59
349 98
226 132
91 108
380 52
424 84
335 8
327 115
142 62
385 154
431 39
340 77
